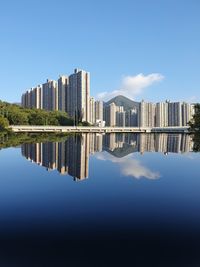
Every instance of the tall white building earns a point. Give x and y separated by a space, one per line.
146 115
50 95
110 115
92 110
36 97
32 98
187 113
70 94
78 95
162 114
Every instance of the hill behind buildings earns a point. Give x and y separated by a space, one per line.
121 100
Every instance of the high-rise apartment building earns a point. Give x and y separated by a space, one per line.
161 114
32 98
174 114
70 94
36 97
63 82
25 100
110 115
50 95
78 95
98 111
92 110
114 115
187 113
146 115
131 118
120 116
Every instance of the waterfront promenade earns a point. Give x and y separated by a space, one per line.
83 129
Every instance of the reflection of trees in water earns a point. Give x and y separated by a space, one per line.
195 128
16 139
196 140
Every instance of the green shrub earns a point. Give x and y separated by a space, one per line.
3 123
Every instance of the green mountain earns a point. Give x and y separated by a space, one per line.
121 100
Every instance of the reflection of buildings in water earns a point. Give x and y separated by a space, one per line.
174 143
186 143
72 155
62 159
50 155
68 157
113 141
78 156
161 143
146 143
109 141
95 142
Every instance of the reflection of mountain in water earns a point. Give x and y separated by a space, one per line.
121 152
72 155
120 145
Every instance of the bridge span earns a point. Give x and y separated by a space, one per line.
83 129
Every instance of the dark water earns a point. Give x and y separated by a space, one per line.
101 200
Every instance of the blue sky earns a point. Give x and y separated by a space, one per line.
149 49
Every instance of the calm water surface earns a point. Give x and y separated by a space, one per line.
101 200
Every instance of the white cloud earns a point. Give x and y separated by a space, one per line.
130 166
192 99
132 86
133 167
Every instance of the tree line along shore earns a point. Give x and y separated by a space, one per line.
12 114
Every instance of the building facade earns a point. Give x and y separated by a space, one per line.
92 110
98 111
110 115
69 94
174 114
78 95
162 114
131 118
146 115
50 95
63 82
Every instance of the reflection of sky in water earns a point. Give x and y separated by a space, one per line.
130 193
130 166
30 195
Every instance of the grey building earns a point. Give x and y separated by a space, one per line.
120 116
98 110
63 82
131 118
174 114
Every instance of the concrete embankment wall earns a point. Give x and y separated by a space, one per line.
81 129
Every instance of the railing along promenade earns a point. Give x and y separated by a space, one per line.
91 129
